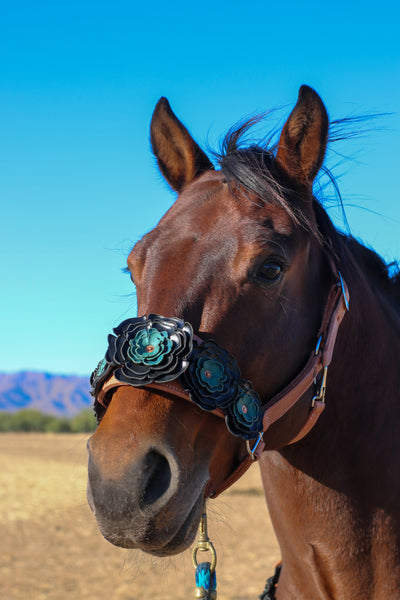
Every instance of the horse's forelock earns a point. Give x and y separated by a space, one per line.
253 168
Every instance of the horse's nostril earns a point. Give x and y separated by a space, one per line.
157 478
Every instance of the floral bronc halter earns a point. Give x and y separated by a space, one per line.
156 349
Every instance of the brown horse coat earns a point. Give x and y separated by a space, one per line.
245 256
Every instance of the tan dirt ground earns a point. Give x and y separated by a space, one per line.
50 547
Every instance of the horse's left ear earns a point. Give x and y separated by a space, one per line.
179 157
302 143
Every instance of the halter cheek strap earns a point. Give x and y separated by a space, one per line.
319 361
336 307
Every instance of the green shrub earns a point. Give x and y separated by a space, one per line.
59 425
5 421
84 422
29 419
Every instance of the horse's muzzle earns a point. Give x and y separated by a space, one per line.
144 503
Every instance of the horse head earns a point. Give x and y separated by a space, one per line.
239 257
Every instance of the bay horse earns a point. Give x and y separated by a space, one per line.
247 296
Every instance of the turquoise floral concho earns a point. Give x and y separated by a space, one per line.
157 349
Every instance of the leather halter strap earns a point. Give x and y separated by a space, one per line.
319 360
336 308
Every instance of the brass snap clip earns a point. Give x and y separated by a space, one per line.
204 544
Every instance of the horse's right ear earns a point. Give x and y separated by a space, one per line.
179 157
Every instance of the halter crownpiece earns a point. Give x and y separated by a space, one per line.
155 350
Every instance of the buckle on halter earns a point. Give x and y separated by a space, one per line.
318 346
320 396
252 450
344 292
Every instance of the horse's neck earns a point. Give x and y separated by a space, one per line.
334 497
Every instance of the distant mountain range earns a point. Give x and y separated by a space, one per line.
59 395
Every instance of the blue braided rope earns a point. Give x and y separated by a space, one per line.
205 579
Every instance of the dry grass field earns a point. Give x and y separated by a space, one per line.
51 549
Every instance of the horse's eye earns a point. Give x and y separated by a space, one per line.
270 271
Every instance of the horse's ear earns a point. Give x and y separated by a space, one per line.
179 157
302 143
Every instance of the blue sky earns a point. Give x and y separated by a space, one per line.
78 184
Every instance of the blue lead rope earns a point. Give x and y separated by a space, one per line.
206 582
